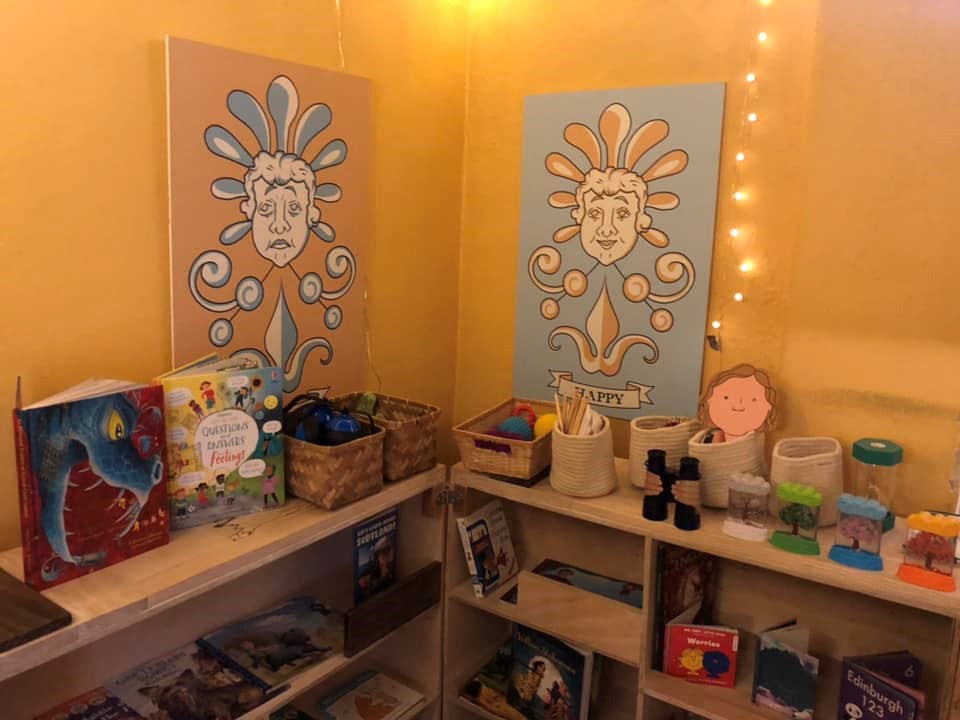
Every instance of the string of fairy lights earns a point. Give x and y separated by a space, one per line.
749 116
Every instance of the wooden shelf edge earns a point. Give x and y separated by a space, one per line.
714 703
576 616
622 511
122 595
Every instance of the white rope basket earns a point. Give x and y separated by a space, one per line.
651 433
816 461
718 461
582 465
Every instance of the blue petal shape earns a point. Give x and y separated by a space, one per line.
283 103
221 142
281 336
228 189
314 120
291 377
236 232
333 153
244 107
324 232
327 192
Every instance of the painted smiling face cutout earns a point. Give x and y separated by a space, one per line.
738 406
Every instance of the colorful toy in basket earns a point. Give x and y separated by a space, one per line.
797 519
929 551
747 507
859 532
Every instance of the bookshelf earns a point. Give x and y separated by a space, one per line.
850 612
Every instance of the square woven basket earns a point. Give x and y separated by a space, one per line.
484 453
410 442
333 475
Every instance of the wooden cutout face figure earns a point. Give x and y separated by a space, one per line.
739 401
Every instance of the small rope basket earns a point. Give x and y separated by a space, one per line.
718 461
814 461
652 433
582 465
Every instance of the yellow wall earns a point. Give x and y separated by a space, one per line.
83 231
852 221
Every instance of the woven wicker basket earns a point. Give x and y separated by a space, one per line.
816 461
583 465
333 475
651 433
410 442
502 456
719 460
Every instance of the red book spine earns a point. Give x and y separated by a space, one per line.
26 485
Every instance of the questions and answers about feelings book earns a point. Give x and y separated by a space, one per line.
224 439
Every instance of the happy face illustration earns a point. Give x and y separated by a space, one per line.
739 401
610 213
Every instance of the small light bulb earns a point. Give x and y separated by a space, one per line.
746 266
764 2
738 297
752 117
762 37
739 195
740 157
715 324
751 77
734 232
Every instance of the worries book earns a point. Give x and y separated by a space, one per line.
224 440
91 475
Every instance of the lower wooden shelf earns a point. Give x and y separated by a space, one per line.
581 618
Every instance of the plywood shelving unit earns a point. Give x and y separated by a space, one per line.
850 612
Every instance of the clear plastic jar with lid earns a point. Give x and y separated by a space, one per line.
876 471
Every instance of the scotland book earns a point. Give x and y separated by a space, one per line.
620 590
270 648
374 555
93 705
882 686
370 696
224 440
186 684
488 547
785 678
550 680
91 476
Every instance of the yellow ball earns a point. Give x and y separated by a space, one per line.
544 425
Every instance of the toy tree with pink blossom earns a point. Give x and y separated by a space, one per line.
859 530
932 548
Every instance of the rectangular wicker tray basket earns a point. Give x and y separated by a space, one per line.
410 442
502 456
333 475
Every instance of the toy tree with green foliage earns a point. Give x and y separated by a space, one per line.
798 516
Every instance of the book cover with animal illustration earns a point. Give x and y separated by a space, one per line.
96 704
488 547
700 654
550 680
489 687
374 554
882 687
91 475
369 696
224 440
186 684
620 590
271 647
785 678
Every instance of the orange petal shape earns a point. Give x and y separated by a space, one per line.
562 166
603 326
565 233
614 125
655 237
670 164
645 137
564 199
663 201
584 140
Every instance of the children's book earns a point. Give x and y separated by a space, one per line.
224 440
699 653
374 554
186 684
488 687
685 581
488 548
882 686
620 590
785 677
96 704
289 712
92 478
270 648
370 696
550 680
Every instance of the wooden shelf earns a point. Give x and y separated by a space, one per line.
118 596
622 510
582 618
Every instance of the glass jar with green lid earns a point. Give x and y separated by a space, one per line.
876 471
